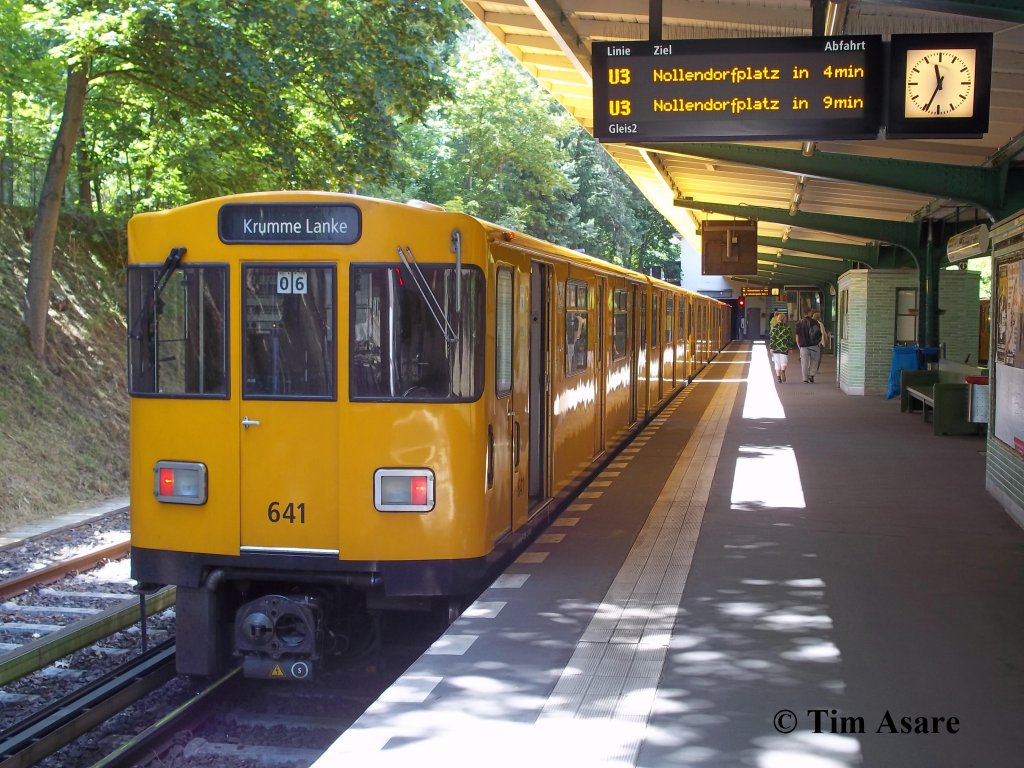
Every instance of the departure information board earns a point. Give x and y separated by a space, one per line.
739 89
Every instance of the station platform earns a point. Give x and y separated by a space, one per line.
47 525
772 575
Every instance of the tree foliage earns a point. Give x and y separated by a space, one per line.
307 93
504 150
160 102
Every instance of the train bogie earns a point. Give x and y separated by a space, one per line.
341 403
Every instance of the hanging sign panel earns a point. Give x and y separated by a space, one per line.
739 89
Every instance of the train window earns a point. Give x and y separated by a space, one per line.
289 342
503 333
620 323
403 347
576 332
176 342
668 321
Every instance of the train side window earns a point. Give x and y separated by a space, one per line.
668 321
576 331
503 333
288 316
177 340
402 347
620 323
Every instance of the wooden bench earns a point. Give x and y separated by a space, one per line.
941 393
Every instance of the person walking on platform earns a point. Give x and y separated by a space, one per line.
826 344
780 341
808 338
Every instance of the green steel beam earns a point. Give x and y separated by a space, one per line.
1005 10
816 265
900 233
794 274
863 254
973 185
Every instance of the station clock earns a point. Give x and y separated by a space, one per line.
940 85
940 82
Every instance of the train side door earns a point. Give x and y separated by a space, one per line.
289 415
654 364
539 383
600 363
642 352
522 413
501 423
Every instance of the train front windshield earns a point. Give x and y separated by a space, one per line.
410 339
417 337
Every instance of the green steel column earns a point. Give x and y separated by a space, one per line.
932 262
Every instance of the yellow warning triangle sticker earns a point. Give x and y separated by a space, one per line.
277 671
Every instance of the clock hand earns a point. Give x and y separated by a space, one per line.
938 87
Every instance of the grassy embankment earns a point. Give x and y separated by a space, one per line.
63 424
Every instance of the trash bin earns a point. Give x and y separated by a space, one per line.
977 399
902 358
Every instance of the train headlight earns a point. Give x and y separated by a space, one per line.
180 482
403 490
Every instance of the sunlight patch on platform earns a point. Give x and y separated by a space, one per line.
762 399
767 476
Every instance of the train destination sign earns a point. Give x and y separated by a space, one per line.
739 89
289 223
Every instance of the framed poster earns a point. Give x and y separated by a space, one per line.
1009 353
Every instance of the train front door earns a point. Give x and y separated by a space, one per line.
288 465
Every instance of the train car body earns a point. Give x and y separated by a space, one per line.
341 401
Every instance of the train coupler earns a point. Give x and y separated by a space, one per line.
279 637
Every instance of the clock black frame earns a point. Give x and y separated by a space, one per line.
899 126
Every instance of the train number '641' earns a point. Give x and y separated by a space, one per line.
290 512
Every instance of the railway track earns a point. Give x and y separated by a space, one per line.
262 724
67 621
74 638
46 731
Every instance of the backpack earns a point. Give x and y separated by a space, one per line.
812 331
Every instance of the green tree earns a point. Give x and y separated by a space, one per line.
303 93
505 151
494 151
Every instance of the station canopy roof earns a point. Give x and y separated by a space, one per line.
848 193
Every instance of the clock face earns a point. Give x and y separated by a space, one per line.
940 83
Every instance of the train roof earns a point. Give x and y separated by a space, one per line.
492 232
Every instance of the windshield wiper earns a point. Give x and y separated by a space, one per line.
418 278
170 264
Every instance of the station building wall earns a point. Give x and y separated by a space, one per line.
865 349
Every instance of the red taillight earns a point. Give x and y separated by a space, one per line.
403 490
419 490
166 482
180 482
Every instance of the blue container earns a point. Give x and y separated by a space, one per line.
902 358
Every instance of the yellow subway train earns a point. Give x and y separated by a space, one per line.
341 404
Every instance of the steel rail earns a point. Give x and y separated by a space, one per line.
42 734
152 741
47 649
18 584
